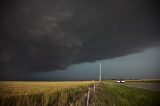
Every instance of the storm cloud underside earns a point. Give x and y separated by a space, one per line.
44 35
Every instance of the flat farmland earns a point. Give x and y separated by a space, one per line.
75 93
32 93
23 87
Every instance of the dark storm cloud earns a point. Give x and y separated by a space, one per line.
42 35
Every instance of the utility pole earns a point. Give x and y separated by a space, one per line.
100 77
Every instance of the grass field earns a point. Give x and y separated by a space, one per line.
108 93
21 93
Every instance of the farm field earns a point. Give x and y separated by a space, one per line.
74 93
21 93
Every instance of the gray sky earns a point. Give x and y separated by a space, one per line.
140 65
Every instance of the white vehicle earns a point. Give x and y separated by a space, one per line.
120 81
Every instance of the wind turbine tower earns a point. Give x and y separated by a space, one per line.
100 77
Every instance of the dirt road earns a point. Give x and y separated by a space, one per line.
151 86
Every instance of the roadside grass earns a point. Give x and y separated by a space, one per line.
113 94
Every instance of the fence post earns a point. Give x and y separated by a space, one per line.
94 86
88 97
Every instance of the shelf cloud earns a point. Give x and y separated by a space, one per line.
44 35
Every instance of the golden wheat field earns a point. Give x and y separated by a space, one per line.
75 93
32 93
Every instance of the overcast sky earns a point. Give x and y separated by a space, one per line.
46 36
141 65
